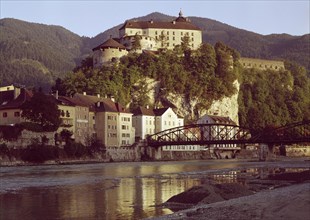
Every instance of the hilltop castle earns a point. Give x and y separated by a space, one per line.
152 35
156 35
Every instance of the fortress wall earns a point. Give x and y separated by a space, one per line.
261 64
105 56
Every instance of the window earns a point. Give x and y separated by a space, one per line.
173 38
181 33
124 127
167 32
16 114
156 33
173 33
192 34
5 114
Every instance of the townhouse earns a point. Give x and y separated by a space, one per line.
11 99
112 122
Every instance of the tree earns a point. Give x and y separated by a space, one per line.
42 110
136 44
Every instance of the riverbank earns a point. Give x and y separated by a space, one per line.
279 196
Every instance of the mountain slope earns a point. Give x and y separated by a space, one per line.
35 54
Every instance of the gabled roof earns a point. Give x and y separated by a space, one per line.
6 96
69 101
143 111
221 119
25 95
160 111
110 43
106 105
177 24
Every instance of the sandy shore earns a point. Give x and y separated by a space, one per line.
290 202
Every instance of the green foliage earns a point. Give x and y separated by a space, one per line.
274 98
36 54
37 153
10 133
76 150
192 75
42 111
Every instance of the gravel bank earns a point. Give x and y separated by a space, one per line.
290 202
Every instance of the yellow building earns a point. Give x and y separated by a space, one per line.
76 117
11 100
158 34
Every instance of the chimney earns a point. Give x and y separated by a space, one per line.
147 107
98 95
84 93
98 104
151 21
16 92
112 98
56 95
173 22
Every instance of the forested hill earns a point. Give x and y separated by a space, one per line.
36 54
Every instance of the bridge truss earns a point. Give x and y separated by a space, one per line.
225 134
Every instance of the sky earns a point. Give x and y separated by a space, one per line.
89 18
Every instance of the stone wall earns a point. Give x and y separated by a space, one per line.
123 154
261 64
298 151
29 137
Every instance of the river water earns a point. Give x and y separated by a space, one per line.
113 190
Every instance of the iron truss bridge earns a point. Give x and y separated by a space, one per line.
225 134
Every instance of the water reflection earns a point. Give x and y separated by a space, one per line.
126 198
110 191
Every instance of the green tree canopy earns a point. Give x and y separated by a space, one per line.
42 110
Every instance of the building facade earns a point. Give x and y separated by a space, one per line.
155 34
143 121
152 36
11 100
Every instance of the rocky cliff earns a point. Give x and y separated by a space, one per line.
227 106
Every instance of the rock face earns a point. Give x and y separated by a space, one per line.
227 106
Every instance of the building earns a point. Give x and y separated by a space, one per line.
152 36
11 100
165 118
143 120
78 118
159 34
261 64
218 131
112 122
108 52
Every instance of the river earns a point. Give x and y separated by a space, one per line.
112 190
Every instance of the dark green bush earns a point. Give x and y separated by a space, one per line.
39 153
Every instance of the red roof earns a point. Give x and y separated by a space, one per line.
110 43
177 24
160 111
25 95
143 111
106 105
221 119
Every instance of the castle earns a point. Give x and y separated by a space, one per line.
152 35
156 35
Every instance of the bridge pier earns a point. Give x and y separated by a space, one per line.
266 152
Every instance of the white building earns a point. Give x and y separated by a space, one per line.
218 132
143 120
165 118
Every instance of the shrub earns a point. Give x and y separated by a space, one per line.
39 153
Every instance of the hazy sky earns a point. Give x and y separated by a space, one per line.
89 18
